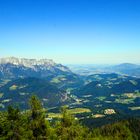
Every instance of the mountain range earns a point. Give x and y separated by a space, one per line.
57 85
21 78
12 67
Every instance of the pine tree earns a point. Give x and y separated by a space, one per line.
38 125
69 128
14 127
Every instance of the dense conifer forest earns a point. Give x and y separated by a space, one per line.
34 125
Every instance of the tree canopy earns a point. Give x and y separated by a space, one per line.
34 125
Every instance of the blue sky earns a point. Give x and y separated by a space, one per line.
71 31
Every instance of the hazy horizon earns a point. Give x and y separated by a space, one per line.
73 64
72 31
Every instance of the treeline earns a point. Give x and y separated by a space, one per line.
33 125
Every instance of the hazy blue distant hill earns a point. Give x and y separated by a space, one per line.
87 69
124 68
127 68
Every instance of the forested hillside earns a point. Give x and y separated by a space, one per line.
34 124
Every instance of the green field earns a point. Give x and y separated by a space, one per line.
125 101
135 108
101 98
13 87
79 110
54 115
1 94
55 80
71 111
4 81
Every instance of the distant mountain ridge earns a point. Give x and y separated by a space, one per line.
128 65
123 68
26 62
13 67
127 68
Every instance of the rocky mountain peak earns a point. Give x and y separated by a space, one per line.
23 67
27 62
